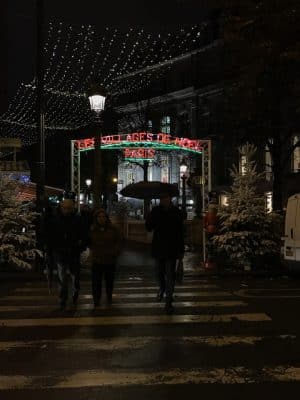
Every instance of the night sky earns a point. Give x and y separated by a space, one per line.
155 14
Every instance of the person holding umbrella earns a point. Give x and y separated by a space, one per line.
166 222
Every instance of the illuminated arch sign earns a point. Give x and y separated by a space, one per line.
138 145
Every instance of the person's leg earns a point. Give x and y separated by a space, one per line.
75 275
109 281
170 282
62 283
161 276
96 283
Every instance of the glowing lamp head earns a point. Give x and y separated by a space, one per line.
88 182
97 97
183 167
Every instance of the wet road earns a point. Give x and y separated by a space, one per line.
227 339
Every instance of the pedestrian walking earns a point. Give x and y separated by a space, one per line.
49 243
166 222
105 245
67 241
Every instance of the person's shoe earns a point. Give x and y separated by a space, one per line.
169 308
160 295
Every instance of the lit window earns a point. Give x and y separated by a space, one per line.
224 200
165 125
129 177
164 171
149 126
243 162
268 163
150 173
269 202
296 155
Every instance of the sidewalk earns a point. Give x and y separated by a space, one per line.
136 260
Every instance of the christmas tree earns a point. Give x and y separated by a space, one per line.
247 231
17 229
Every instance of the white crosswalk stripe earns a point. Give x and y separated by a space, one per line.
137 320
198 304
134 343
118 296
100 378
139 306
121 288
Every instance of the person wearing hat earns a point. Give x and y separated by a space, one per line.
166 222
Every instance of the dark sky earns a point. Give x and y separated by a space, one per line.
155 14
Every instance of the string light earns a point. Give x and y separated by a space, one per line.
74 58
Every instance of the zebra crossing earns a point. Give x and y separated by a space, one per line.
214 337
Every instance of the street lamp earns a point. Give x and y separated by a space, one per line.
88 183
97 97
183 169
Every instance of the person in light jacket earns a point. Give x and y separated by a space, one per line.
105 244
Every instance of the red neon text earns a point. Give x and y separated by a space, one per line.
139 153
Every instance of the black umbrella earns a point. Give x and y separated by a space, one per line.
149 190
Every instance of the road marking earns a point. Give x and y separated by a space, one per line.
135 320
8 382
175 376
135 343
120 296
120 282
247 293
115 306
118 288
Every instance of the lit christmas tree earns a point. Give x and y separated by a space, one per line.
247 232
17 229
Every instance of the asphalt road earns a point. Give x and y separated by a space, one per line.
228 339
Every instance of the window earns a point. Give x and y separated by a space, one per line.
150 172
269 202
149 126
164 171
268 163
129 177
165 124
296 155
224 200
243 162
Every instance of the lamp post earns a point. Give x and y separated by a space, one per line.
183 169
40 109
88 183
97 97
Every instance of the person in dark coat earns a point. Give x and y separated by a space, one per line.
49 242
105 244
67 240
166 222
